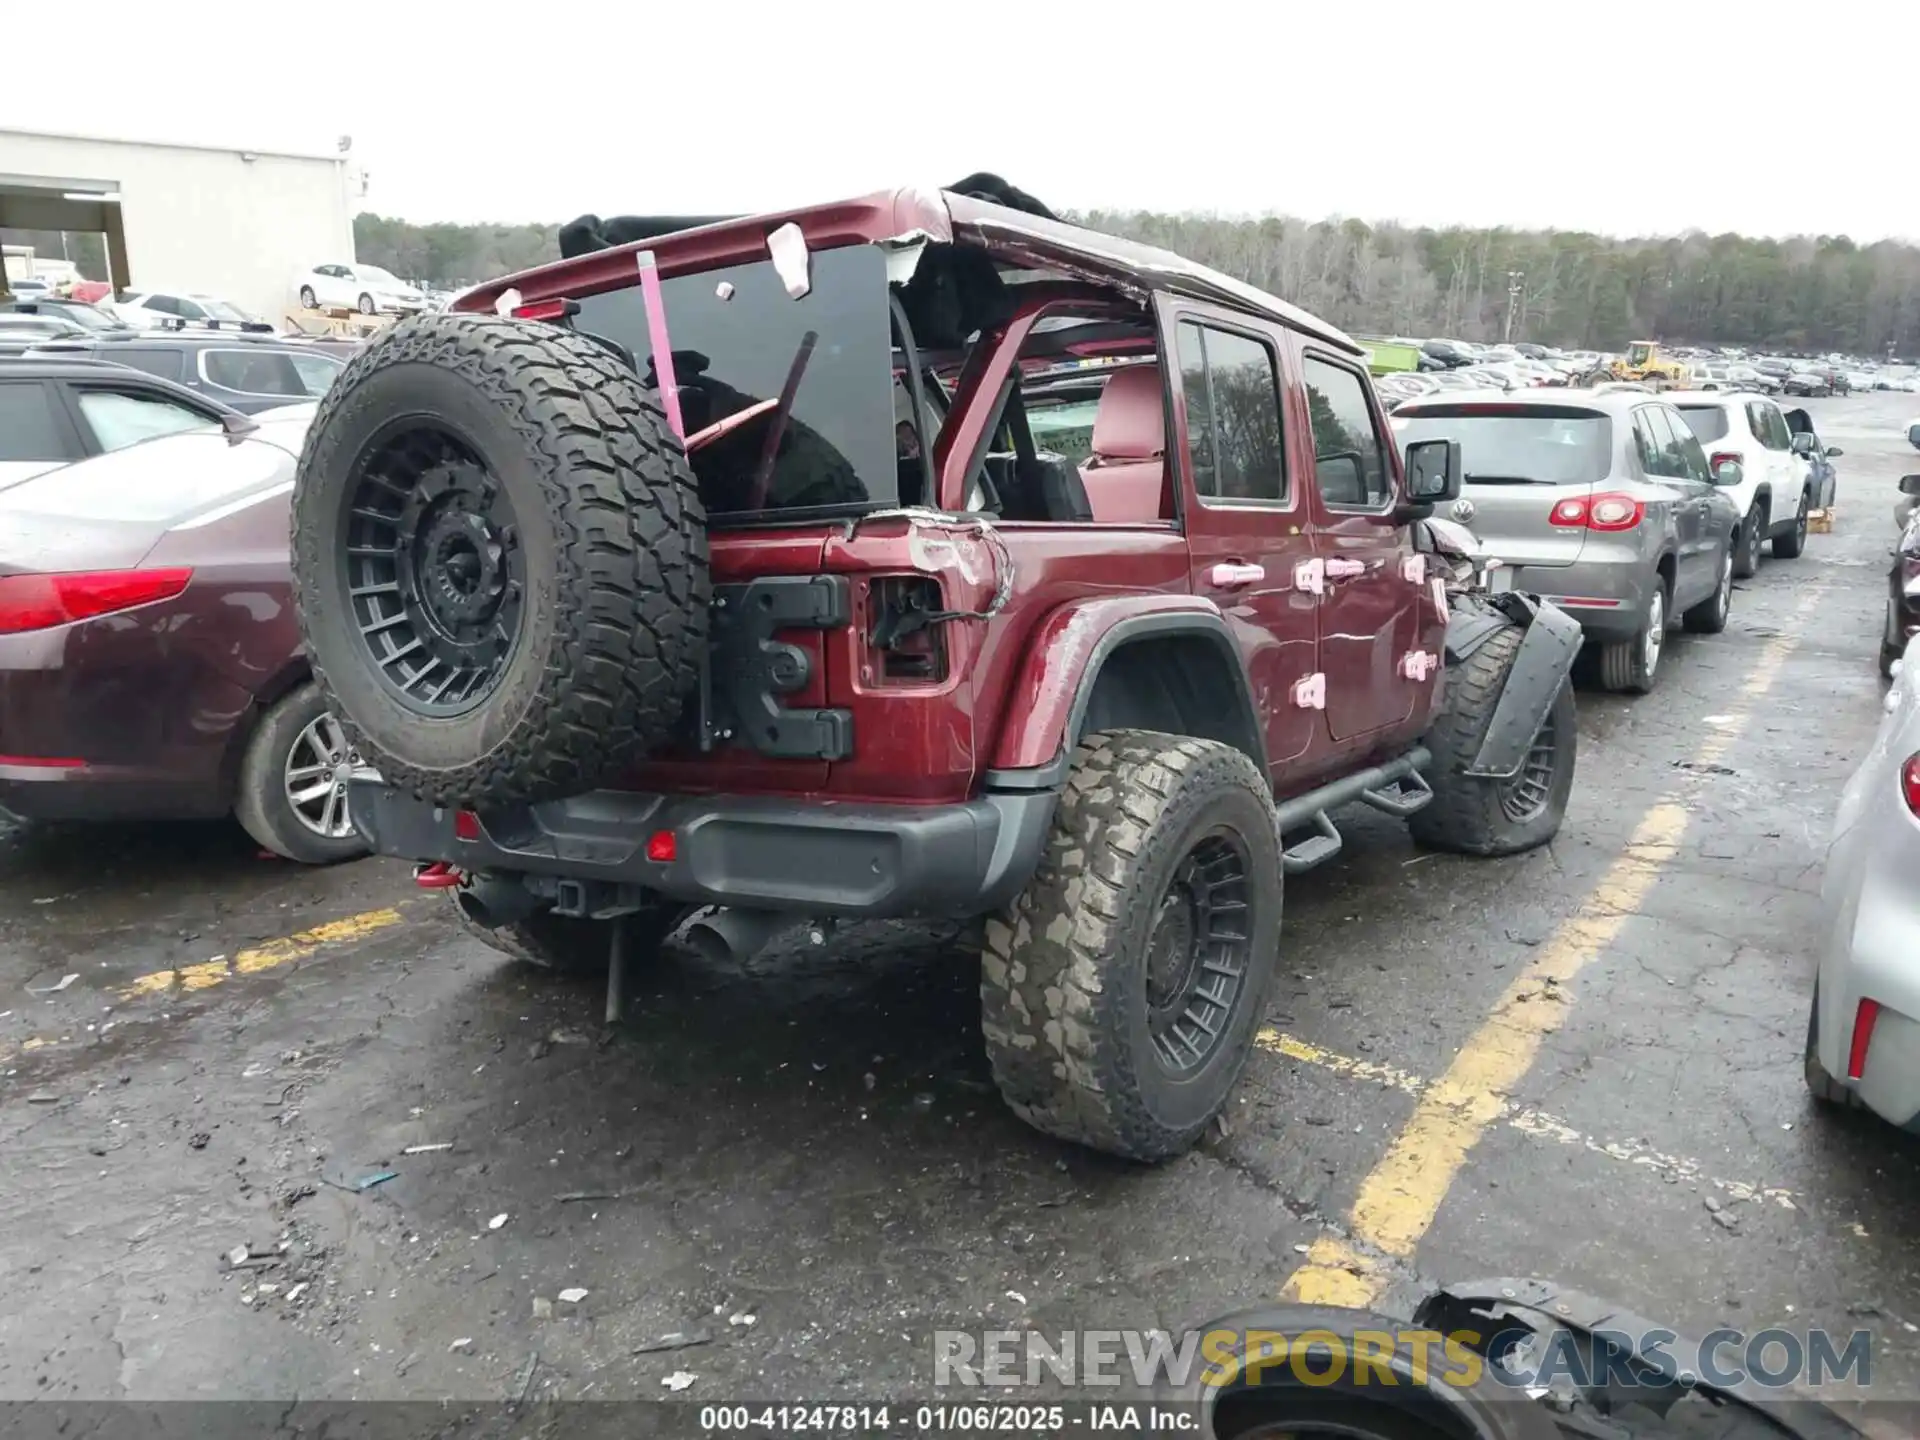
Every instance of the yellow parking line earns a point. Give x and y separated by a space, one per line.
1401 1195
1535 1124
269 955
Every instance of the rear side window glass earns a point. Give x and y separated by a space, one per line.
1688 459
164 304
167 364
119 420
1348 456
1233 415
1708 422
1649 442
1777 428
257 372
28 430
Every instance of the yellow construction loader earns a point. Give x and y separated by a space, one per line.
1645 365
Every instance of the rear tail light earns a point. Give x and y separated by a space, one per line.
1910 783
547 310
662 849
1598 512
1719 458
40 602
1863 1022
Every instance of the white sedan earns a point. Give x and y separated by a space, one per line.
366 288
1863 1035
162 309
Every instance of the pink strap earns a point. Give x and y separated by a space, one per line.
656 304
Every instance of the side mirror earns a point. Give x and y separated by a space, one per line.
1910 485
1728 472
1434 471
1803 443
1834 452
1913 435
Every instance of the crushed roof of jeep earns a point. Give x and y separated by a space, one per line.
902 217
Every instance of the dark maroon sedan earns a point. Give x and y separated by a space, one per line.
150 658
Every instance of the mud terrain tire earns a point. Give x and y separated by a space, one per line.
1158 840
580 596
1477 816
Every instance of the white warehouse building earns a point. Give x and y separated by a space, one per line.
240 224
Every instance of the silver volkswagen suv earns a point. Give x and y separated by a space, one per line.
1603 503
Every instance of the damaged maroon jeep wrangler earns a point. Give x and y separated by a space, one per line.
915 556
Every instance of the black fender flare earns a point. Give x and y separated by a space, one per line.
1662 1362
1198 626
1540 667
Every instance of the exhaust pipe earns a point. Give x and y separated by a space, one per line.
491 902
735 936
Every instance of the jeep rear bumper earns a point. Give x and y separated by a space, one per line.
808 857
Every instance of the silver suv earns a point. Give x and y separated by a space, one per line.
1601 502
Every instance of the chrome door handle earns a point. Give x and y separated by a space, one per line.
1339 569
1235 575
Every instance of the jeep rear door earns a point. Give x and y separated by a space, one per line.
1245 518
1371 616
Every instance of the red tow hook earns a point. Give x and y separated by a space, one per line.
439 875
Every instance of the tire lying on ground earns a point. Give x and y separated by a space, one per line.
500 560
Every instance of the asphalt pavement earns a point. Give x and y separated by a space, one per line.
803 1165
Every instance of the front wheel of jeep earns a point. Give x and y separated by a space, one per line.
1121 990
1475 815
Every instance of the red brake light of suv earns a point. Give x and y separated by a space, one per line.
1910 783
40 602
1599 512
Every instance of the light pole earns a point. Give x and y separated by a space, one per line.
1516 281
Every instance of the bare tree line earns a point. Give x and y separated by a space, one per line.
1806 293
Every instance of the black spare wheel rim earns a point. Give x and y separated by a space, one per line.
1198 949
436 570
1525 796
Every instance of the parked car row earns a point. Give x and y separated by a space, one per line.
1634 512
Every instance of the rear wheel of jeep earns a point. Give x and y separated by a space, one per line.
500 560
1121 990
570 944
1478 816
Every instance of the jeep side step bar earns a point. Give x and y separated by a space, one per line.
1396 788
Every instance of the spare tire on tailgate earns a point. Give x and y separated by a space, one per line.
500 560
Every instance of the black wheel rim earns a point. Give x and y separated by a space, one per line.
1198 948
1525 797
436 573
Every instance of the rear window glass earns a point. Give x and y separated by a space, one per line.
737 337
1538 444
1708 422
144 484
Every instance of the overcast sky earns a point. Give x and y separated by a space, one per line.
1784 118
